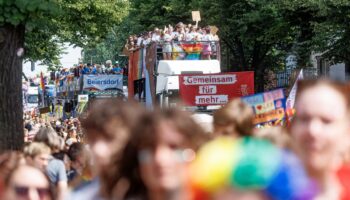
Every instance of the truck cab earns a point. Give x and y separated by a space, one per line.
32 97
168 71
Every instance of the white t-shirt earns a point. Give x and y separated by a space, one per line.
155 38
139 41
188 37
167 37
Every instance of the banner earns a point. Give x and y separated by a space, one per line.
135 71
267 106
215 89
103 82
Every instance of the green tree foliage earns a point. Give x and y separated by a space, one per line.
40 27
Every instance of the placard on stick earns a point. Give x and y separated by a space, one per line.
196 17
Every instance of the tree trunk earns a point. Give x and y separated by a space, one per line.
11 108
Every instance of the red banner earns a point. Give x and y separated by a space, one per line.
215 89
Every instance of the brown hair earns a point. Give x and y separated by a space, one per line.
342 88
236 114
106 117
144 135
48 136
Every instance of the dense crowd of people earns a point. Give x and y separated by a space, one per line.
120 150
90 69
173 41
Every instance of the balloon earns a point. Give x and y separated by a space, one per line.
212 168
258 162
247 165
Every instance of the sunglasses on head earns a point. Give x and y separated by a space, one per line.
23 191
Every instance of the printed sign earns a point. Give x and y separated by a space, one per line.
83 98
215 89
196 16
103 82
44 110
268 106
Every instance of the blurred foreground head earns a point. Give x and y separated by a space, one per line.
156 159
19 181
234 119
321 124
107 128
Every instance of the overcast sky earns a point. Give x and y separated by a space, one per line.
67 60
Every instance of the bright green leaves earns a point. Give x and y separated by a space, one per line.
78 22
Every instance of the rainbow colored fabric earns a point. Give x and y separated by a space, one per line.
250 165
193 50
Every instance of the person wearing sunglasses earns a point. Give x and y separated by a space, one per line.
27 183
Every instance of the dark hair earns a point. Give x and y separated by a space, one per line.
126 166
75 150
106 117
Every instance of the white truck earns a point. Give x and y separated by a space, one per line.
167 79
32 98
162 75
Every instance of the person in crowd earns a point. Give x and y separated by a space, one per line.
139 40
206 41
25 182
86 69
108 66
321 131
154 163
93 69
37 154
234 119
107 129
77 156
55 169
156 35
167 48
117 69
146 39
99 69
72 136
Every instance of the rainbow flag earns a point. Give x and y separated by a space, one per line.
42 82
134 74
193 50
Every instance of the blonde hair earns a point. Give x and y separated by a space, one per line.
235 114
36 148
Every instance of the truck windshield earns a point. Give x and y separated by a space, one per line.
33 98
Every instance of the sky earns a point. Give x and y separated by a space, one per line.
67 60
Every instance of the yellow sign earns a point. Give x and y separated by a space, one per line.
269 116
